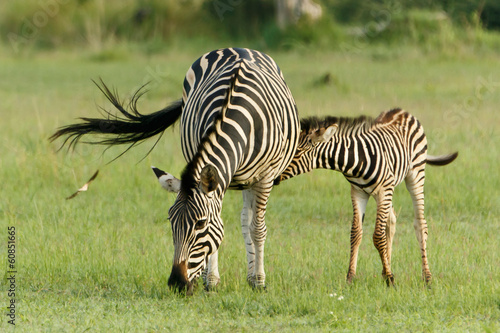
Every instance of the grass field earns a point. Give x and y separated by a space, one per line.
101 261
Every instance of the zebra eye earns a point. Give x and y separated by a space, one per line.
200 224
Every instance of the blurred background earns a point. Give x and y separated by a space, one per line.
101 261
151 26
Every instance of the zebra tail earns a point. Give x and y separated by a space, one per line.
124 127
441 159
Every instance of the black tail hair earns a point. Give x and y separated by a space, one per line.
441 160
129 127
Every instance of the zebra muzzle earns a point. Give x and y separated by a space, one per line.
179 278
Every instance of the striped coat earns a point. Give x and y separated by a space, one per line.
374 155
239 130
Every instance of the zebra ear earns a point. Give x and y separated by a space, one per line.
167 181
209 179
323 134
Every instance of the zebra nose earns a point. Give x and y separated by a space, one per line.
179 277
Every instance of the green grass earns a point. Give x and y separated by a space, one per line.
101 261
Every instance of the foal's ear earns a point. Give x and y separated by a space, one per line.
167 181
323 134
209 179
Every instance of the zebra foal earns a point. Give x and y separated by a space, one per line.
239 130
374 155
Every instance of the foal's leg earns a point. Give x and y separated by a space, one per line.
359 200
415 185
380 239
390 231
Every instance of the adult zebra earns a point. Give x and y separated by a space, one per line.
374 155
239 130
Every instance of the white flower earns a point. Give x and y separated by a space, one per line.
333 295
340 298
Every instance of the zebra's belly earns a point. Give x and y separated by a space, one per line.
363 185
374 184
246 180
246 177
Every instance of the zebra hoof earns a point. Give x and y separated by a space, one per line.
211 283
428 280
257 284
261 288
211 289
390 281
427 277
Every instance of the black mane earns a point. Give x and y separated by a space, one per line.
188 180
312 123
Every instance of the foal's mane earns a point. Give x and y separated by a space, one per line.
347 123
313 123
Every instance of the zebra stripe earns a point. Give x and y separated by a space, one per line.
374 155
239 130
246 126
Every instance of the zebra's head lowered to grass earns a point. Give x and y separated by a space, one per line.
238 129
197 227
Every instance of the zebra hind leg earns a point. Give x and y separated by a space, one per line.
359 200
258 231
390 231
415 185
246 218
380 239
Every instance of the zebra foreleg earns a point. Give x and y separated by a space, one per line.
380 239
359 200
211 277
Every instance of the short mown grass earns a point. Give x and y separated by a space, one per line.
101 261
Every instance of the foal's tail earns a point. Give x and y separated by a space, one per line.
129 127
442 159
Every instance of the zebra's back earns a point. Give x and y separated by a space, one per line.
260 113
402 142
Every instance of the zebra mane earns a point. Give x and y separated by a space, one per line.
313 123
364 123
188 180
